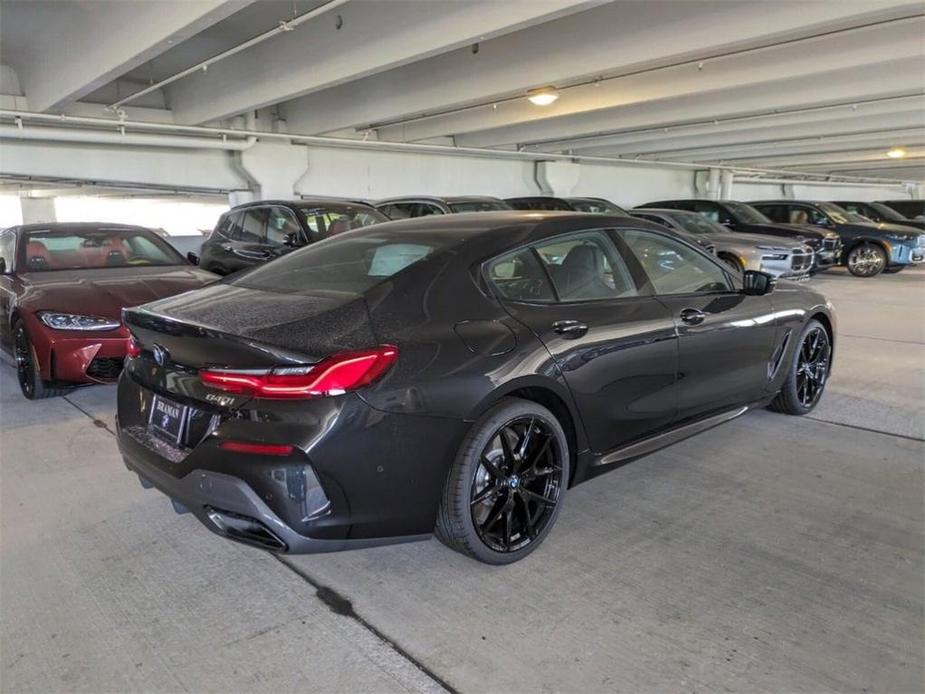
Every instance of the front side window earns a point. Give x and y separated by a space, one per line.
254 225
776 213
673 267
745 213
713 212
94 248
478 206
282 227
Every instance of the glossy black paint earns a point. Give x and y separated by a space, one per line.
741 217
225 252
900 243
637 372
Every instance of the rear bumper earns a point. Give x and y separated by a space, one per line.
213 496
382 474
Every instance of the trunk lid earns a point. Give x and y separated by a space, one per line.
229 327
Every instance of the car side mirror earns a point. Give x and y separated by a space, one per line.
193 258
757 283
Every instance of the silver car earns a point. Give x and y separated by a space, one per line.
772 254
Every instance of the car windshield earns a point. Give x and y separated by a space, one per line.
352 263
746 213
47 250
694 223
840 215
479 206
328 220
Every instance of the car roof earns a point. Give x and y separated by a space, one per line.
76 226
304 202
667 211
437 198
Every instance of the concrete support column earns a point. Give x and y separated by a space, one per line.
37 210
713 184
727 178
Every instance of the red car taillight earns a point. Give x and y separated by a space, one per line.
133 349
332 376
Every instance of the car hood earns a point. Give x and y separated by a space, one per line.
885 228
105 292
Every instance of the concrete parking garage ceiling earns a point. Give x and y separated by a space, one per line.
822 86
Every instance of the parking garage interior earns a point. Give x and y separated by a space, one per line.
772 553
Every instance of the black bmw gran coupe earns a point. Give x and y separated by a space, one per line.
451 375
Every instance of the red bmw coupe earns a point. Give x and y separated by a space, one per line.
62 291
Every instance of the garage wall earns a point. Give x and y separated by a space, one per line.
764 191
633 185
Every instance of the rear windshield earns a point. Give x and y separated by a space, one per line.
95 248
353 262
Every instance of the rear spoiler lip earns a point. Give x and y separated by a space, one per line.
131 316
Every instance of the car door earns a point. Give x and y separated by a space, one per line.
614 345
726 338
248 244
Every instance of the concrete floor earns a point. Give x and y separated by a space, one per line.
771 554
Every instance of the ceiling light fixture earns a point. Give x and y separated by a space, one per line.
542 96
896 153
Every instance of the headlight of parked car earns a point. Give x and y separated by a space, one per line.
772 253
72 321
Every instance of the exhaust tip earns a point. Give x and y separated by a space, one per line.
244 529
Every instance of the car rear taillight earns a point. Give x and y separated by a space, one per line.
132 349
332 376
256 448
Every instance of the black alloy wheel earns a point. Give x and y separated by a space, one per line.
807 378
516 485
27 370
506 487
866 260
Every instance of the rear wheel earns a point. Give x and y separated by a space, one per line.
893 270
808 372
505 489
27 367
866 260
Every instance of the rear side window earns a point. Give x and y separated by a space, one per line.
776 213
7 249
585 267
520 277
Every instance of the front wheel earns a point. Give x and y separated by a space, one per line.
505 489
27 367
866 260
808 372
893 270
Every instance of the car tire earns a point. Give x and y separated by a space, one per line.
733 263
495 507
866 260
27 368
802 388
893 270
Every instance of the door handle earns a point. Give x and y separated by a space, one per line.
569 329
692 316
